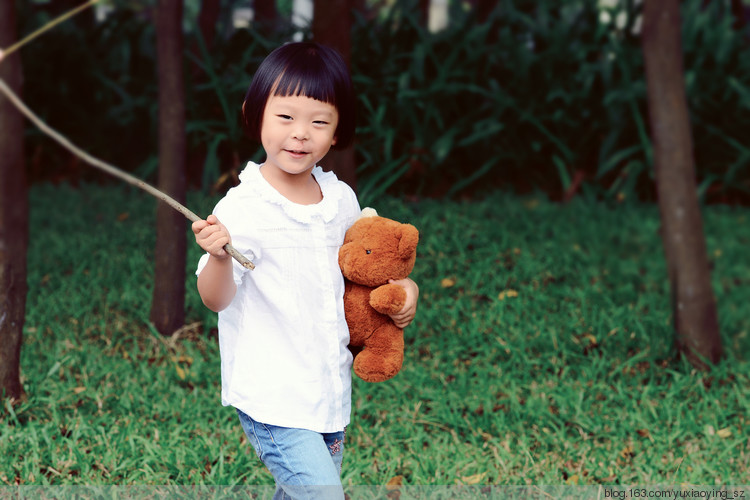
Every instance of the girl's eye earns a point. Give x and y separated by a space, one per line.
284 117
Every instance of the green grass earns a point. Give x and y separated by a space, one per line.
541 354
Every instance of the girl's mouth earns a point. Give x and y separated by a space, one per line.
295 153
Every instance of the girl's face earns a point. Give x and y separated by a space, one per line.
297 132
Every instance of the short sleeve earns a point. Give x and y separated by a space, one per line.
230 212
237 270
350 208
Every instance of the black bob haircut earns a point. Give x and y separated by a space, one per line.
308 69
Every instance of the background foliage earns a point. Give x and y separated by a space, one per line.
544 95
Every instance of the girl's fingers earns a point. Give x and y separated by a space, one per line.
211 221
213 232
198 226
211 236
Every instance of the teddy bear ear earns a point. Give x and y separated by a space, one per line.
368 212
408 242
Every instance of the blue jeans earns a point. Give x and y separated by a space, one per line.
305 464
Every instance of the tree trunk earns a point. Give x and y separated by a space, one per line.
208 17
423 9
266 16
168 305
484 9
694 307
332 26
740 14
14 222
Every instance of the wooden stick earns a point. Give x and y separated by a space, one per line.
46 27
114 171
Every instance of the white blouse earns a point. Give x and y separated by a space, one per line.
283 339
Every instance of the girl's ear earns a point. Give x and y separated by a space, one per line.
333 142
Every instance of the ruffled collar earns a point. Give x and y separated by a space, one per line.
327 208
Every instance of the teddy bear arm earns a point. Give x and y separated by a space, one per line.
388 299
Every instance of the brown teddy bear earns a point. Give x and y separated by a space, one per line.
376 250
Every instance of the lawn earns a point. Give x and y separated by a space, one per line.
541 354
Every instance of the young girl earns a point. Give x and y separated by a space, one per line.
283 337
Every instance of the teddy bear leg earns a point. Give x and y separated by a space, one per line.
382 356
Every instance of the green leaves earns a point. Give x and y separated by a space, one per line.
541 93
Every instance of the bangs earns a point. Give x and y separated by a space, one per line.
306 81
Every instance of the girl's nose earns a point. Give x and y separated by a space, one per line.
300 132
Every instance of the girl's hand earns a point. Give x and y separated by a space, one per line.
211 235
404 317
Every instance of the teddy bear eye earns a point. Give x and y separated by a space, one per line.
368 252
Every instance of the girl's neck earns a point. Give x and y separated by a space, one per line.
302 189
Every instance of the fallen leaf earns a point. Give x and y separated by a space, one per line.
643 433
79 390
507 293
572 480
724 433
475 479
180 372
185 359
447 282
123 216
395 481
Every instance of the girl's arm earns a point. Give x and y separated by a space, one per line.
404 317
215 282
